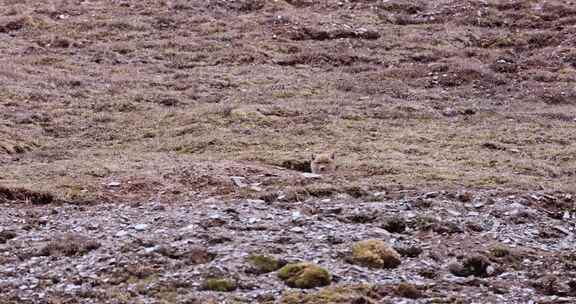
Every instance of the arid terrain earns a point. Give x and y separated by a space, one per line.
159 151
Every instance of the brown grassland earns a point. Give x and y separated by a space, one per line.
168 101
450 94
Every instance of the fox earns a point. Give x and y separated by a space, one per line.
323 163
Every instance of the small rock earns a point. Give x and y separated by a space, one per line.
296 215
113 184
151 249
256 188
450 112
409 250
121 233
478 204
6 235
394 224
239 181
311 175
140 227
297 230
255 201
453 212
211 200
334 240
476 265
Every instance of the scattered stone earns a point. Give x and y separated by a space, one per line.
375 254
304 275
311 175
410 251
428 272
140 227
453 212
168 251
6 235
446 228
214 220
394 224
551 285
360 217
297 229
113 184
450 112
423 223
121 233
239 181
256 188
151 249
465 196
334 240
217 239
255 201
476 265
296 215
478 204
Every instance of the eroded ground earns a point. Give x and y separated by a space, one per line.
169 113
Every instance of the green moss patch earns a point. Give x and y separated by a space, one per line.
375 254
304 275
333 294
220 284
263 264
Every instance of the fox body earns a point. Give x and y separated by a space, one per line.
323 163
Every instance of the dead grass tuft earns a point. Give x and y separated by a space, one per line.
24 196
69 245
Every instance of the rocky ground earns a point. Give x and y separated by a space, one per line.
158 151
454 247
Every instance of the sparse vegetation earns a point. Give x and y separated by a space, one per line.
220 284
333 294
375 254
304 275
263 263
69 245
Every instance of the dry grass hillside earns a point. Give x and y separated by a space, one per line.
172 97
